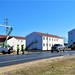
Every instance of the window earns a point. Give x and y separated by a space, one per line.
43 44
21 40
61 45
71 33
52 39
57 39
46 38
49 44
46 44
43 38
57 44
49 38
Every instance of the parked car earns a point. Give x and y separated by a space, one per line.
58 47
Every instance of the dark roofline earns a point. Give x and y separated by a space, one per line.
49 35
2 36
17 37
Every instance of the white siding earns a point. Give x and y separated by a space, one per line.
51 41
14 42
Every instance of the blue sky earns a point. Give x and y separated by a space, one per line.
54 17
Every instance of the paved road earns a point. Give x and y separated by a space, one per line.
6 60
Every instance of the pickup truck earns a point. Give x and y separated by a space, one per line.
58 47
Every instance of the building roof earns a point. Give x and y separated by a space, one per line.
71 30
49 35
17 37
2 39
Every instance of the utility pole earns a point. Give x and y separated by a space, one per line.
6 22
7 32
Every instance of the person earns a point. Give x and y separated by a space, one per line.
22 48
17 49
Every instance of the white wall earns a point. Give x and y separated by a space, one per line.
51 41
14 42
32 37
71 37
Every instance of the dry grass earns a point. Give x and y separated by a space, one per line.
53 66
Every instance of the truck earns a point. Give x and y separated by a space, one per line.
5 48
58 48
72 46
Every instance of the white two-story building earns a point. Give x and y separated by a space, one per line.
42 41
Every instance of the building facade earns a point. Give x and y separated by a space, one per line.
13 41
71 37
42 41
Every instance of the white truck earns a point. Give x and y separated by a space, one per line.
5 49
58 48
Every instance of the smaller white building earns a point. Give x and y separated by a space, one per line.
13 41
71 37
42 41
16 40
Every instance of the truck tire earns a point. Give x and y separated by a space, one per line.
71 48
52 51
63 50
3 52
58 50
8 51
